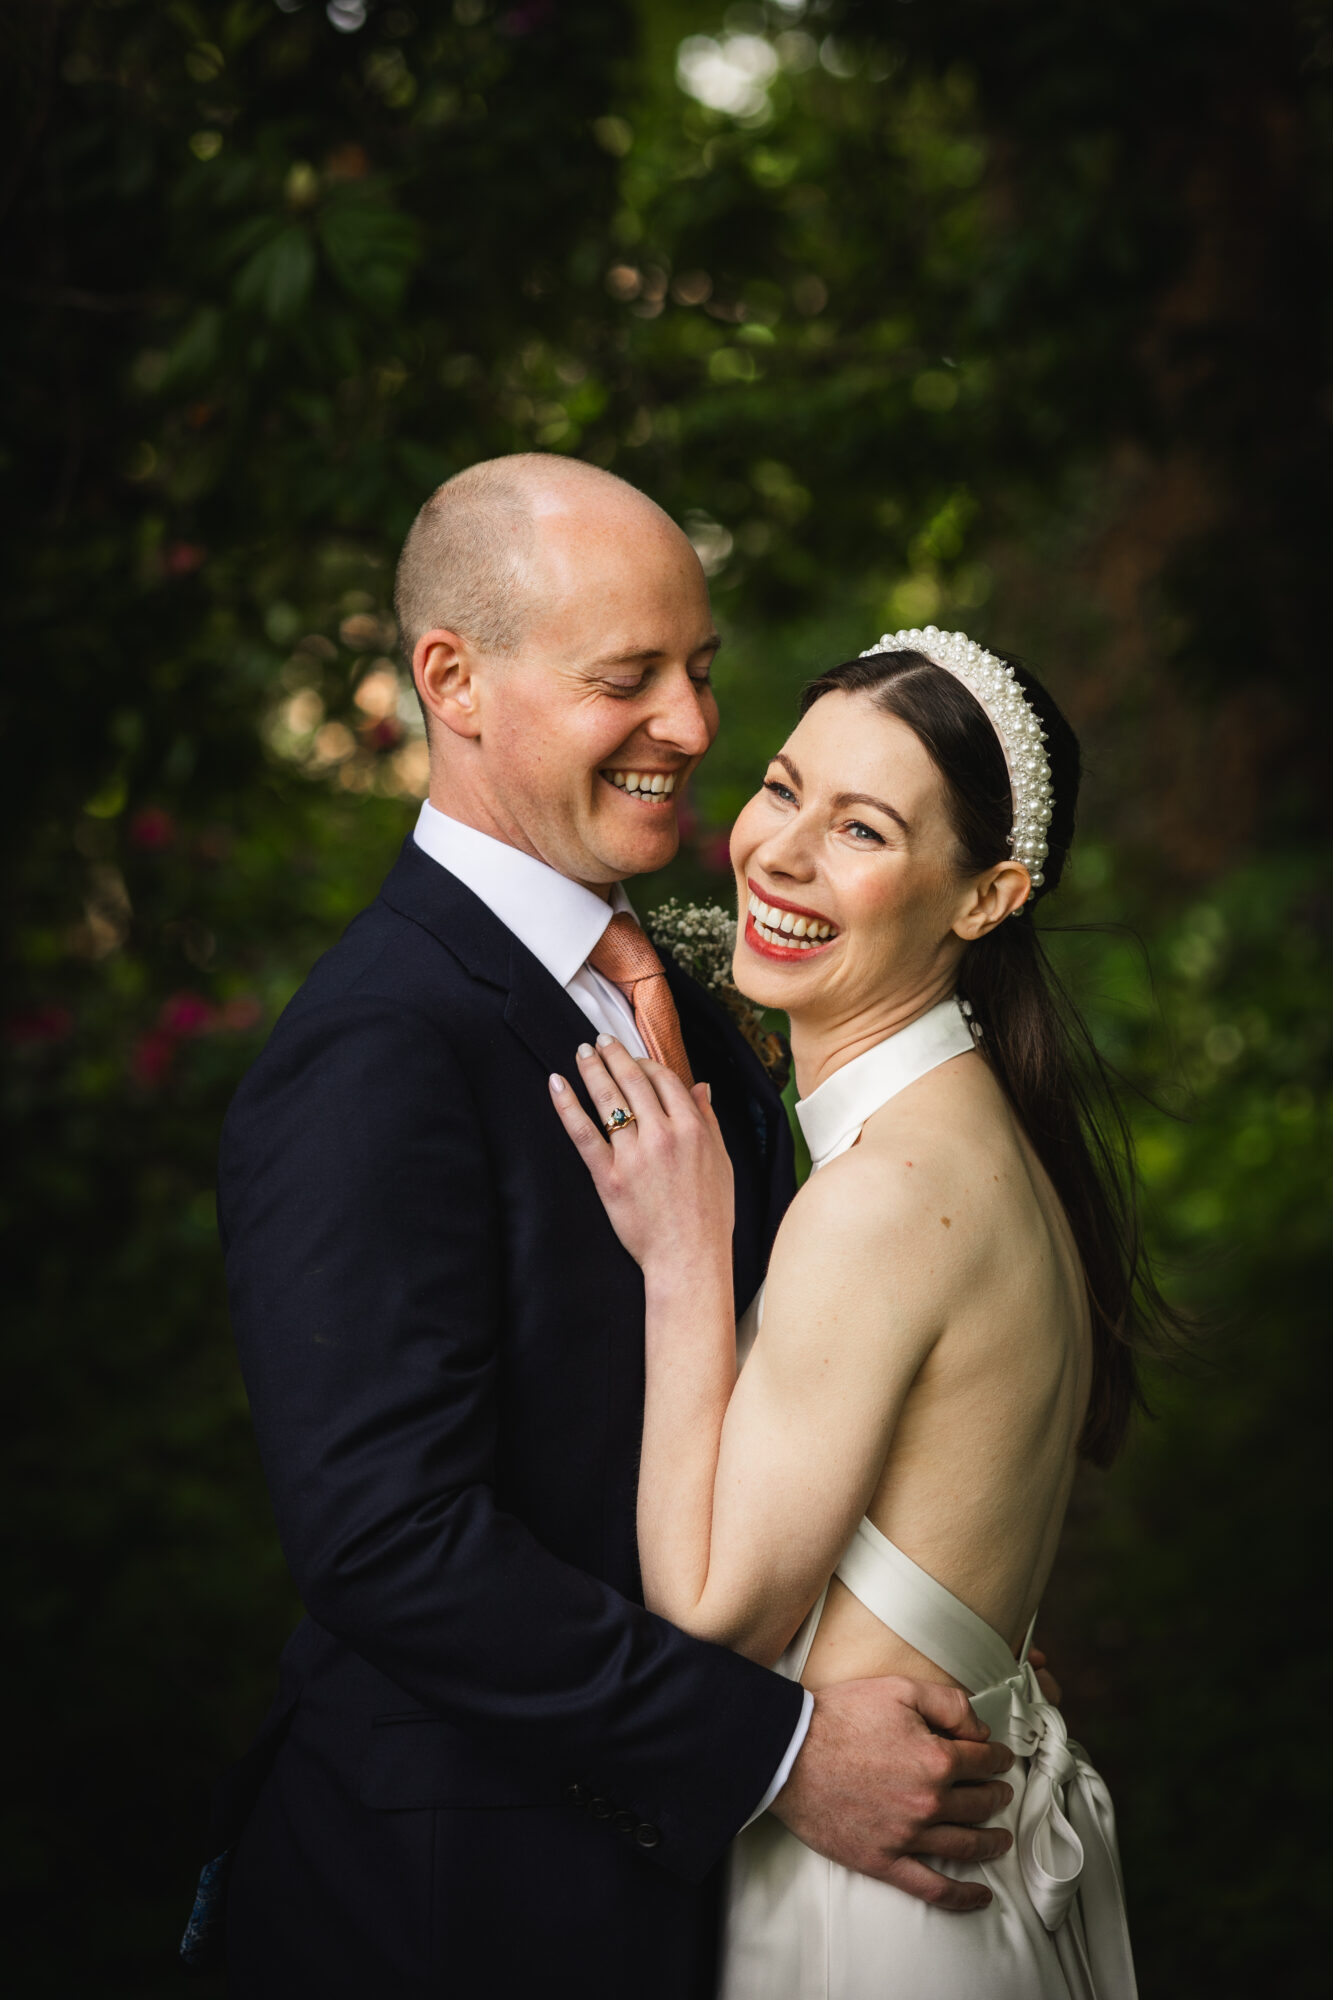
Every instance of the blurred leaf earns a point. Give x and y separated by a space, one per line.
371 248
278 276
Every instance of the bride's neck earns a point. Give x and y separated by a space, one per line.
820 1046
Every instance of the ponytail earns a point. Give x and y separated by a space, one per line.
1032 1035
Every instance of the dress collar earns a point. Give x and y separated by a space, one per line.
558 920
832 1116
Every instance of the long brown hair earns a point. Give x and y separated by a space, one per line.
1033 1036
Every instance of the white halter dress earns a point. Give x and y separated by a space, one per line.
799 1927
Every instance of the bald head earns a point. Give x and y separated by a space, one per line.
471 562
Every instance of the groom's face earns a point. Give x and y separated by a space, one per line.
589 732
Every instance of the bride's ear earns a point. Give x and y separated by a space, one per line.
1001 892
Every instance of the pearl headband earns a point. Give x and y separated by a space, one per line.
1014 720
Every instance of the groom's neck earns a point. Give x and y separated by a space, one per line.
482 817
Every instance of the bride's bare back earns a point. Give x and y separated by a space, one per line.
978 1471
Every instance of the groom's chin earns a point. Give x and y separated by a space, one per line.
641 850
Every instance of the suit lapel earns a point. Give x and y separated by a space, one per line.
543 1016
537 1008
549 1024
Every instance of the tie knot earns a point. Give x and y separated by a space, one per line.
623 953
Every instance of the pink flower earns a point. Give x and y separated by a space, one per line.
185 1014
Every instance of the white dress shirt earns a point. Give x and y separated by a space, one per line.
560 922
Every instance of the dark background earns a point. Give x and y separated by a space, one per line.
1011 316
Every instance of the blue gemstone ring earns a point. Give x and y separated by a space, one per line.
618 1120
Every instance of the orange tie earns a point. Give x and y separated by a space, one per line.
625 957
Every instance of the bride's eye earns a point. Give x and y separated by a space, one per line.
779 790
858 826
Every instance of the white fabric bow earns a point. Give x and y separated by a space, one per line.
1066 1840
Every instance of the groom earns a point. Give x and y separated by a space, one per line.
489 1770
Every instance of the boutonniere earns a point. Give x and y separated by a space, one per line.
701 937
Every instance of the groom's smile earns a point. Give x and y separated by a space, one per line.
648 788
574 742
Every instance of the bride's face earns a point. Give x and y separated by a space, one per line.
847 846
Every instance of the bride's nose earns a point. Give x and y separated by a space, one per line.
787 851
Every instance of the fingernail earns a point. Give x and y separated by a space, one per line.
585 1050
557 1084
605 1041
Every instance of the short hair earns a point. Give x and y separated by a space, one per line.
465 564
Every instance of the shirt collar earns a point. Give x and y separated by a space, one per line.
559 921
831 1116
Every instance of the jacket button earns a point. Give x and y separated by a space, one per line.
576 1795
647 1835
601 1808
624 1822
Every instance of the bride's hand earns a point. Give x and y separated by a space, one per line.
665 1179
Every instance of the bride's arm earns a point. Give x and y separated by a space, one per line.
750 1489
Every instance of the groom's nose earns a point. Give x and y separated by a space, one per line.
682 714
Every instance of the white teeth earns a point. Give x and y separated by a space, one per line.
783 927
647 784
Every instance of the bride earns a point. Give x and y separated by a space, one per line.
870 1475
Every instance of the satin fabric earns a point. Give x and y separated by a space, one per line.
799 1927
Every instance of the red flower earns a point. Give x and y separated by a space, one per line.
241 1014
714 851
152 828
152 1057
527 19
385 735
48 1023
182 558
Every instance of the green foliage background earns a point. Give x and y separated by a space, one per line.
1014 316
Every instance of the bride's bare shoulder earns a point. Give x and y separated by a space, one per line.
909 1197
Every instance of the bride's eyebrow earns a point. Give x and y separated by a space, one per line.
844 798
868 799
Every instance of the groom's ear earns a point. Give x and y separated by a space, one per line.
444 669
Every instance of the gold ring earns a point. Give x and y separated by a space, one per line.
618 1120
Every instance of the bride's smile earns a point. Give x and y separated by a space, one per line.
856 902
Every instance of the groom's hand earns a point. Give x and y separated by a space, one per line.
893 1769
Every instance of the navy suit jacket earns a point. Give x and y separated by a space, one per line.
489 1769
